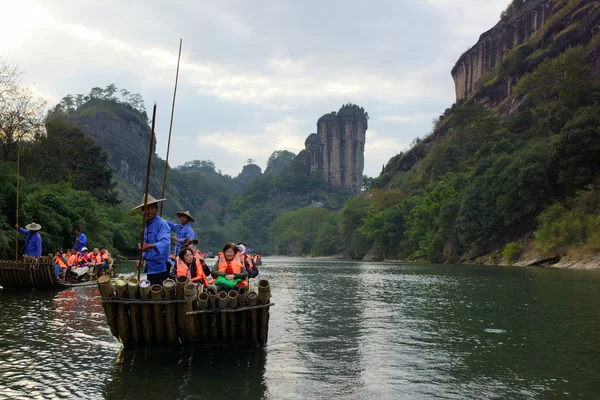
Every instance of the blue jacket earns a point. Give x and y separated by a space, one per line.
80 242
157 232
182 232
33 243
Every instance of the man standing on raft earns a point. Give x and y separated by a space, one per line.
157 240
183 230
33 240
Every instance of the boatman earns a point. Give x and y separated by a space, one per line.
157 240
33 240
80 240
183 230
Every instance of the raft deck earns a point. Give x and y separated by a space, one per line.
179 313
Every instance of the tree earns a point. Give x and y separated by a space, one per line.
21 118
124 95
110 91
250 161
96 93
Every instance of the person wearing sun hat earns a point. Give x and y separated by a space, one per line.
183 230
33 240
155 248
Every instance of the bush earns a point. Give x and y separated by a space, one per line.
511 252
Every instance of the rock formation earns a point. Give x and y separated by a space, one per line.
554 25
336 151
123 134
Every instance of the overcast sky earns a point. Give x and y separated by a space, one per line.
256 74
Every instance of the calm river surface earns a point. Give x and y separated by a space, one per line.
338 330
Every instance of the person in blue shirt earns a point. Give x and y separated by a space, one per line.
183 230
157 240
80 240
33 240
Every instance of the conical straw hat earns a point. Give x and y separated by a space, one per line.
151 200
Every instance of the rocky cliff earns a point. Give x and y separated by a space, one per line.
120 131
336 151
547 27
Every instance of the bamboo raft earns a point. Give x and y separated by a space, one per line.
179 313
32 272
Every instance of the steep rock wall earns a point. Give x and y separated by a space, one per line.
336 151
125 137
487 53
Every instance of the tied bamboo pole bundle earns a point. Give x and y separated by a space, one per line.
192 322
170 310
180 283
203 304
146 311
110 310
252 301
156 293
264 297
134 310
223 305
122 315
242 302
232 302
214 328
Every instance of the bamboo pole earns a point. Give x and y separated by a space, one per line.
223 316
242 316
107 291
134 310
213 301
232 302
170 310
192 322
146 311
17 207
139 265
264 296
122 316
156 292
170 129
180 283
252 301
203 305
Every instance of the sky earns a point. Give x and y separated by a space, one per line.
255 75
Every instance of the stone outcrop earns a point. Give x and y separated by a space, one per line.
124 135
554 25
336 151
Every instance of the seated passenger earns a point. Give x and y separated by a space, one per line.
249 264
190 266
229 270
60 262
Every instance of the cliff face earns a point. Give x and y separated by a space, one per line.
549 27
126 138
336 151
493 44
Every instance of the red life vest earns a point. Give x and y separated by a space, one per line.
193 275
58 260
235 266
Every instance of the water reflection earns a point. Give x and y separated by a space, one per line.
188 373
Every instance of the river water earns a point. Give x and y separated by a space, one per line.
344 330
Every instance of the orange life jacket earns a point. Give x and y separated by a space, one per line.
97 258
72 259
105 256
234 266
184 270
246 257
58 260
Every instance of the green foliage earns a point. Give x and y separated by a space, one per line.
566 78
293 232
561 228
511 252
512 7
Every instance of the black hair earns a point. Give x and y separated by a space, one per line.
183 251
230 245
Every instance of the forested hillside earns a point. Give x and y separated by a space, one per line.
496 180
